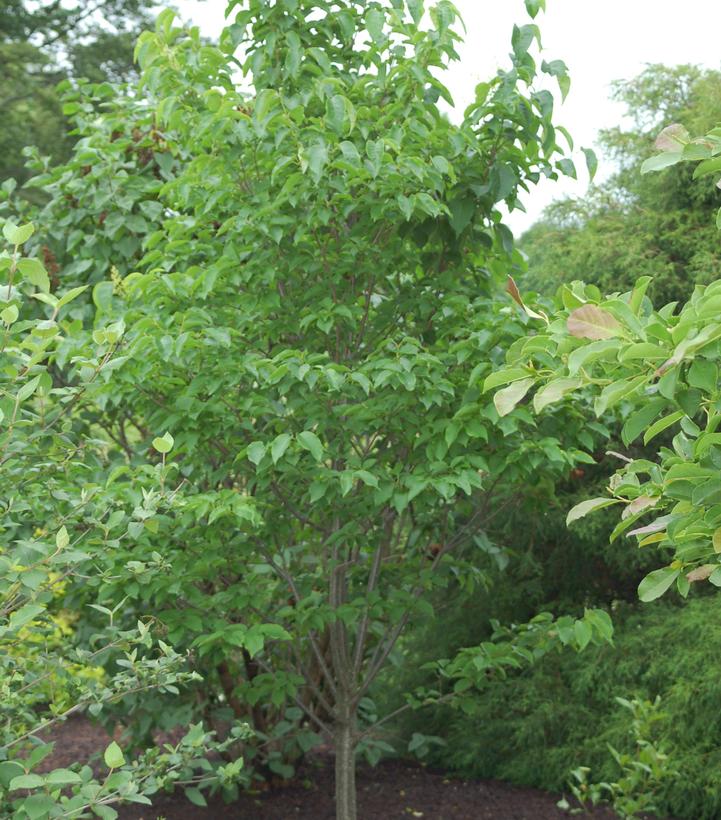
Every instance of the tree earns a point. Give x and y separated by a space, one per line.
635 225
42 44
311 321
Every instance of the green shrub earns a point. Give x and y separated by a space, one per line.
535 728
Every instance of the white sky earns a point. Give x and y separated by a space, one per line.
600 41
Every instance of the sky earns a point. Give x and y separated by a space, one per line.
600 41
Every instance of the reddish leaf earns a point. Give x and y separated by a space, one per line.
590 322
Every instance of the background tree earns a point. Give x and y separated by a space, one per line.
636 225
44 43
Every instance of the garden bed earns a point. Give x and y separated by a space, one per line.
393 790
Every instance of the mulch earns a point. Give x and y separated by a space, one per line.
393 790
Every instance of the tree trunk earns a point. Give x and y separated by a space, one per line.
345 790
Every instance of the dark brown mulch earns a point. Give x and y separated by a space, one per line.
394 790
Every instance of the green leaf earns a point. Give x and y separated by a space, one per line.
346 482
613 393
34 271
375 20
254 640
255 452
642 350
114 756
504 376
367 478
715 577
9 315
24 615
638 421
588 506
9 770
62 539
73 293
703 374
415 7
317 159
164 444
716 541
589 353
28 389
662 424
656 583
591 162
279 446
27 781
582 632
692 344
534 6
639 291
708 166
309 441
18 235
104 812
659 161
196 797
505 400
601 621
63 777
554 391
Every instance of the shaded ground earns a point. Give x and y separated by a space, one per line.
394 790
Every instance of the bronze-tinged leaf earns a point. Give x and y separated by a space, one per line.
512 289
701 573
672 138
643 502
590 322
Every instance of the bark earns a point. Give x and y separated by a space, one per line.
345 787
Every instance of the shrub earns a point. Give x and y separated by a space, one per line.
536 727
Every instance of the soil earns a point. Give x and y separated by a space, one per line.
393 790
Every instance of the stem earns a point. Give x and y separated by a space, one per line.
345 740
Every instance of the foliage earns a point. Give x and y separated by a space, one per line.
52 514
44 43
664 366
635 225
104 201
535 726
306 277
642 771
